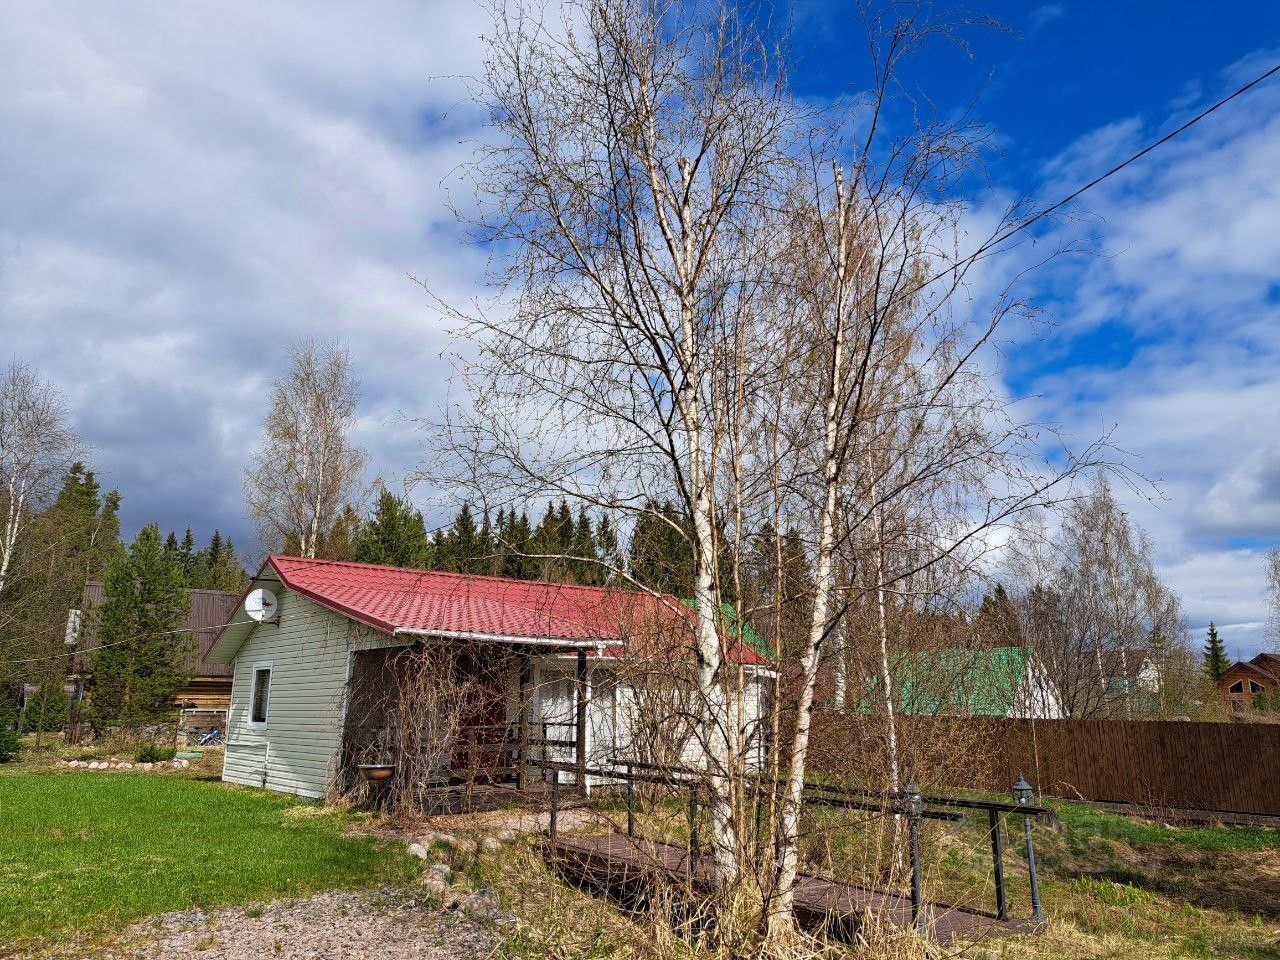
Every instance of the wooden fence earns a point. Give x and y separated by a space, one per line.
1203 766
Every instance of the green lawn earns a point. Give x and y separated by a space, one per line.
91 852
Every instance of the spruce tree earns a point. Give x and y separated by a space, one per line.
141 662
9 740
661 554
997 621
1215 654
520 565
606 538
186 552
395 535
583 549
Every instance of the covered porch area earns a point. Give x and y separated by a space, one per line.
454 725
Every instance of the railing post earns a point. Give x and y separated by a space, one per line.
631 803
522 697
580 720
693 820
915 808
997 863
555 802
1023 795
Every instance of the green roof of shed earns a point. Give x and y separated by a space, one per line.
978 683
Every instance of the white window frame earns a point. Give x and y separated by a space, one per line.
268 666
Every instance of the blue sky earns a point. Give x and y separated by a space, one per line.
183 190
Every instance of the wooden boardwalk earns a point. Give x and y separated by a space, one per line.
627 868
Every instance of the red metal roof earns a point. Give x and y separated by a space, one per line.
394 599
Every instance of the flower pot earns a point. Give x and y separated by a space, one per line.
377 771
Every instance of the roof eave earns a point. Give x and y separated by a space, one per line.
514 639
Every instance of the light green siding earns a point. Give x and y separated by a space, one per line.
297 749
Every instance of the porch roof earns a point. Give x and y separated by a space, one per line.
399 600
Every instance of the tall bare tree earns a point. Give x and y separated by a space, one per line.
307 469
37 444
1272 561
722 300
1094 610
640 142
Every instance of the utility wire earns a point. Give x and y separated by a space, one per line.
1019 227
114 643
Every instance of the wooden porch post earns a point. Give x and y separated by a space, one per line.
522 748
580 691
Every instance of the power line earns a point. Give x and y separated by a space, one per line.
114 643
1019 227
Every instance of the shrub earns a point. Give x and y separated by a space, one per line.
9 741
152 753
46 711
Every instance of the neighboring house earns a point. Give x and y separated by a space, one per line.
310 688
1133 671
980 682
1252 686
209 688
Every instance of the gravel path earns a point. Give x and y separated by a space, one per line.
345 925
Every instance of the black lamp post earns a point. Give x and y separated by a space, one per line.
915 808
1023 794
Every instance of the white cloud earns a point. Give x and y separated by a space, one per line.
188 187
1172 336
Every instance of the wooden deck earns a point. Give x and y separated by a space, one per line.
628 869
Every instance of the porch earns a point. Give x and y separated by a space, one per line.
471 726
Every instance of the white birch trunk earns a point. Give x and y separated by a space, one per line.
789 854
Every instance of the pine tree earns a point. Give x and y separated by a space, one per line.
1215 655
141 661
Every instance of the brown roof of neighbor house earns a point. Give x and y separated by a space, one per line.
1257 668
210 611
1268 663
1132 661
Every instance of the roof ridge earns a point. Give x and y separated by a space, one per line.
472 576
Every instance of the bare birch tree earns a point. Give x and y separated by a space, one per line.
717 298
37 444
639 144
903 410
307 469
1272 561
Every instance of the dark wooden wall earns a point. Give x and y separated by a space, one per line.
1204 766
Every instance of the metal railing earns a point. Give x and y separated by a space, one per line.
909 803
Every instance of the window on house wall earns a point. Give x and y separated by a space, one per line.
1255 687
260 700
1238 687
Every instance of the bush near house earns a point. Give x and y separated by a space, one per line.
9 740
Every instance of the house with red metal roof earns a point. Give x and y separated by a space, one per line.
325 654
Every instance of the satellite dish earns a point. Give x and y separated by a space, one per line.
261 604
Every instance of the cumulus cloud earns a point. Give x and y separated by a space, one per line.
188 187
1171 336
